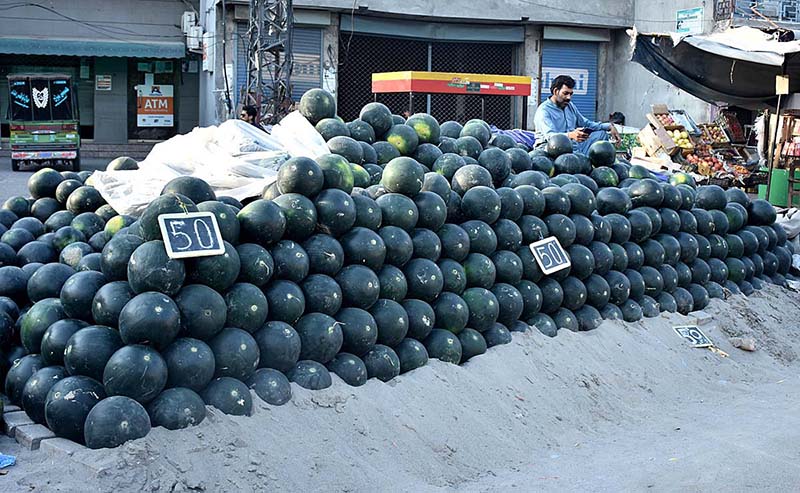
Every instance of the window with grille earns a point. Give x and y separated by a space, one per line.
775 10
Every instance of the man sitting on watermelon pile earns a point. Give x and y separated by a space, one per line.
558 115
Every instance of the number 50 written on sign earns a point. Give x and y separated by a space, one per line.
550 255
194 234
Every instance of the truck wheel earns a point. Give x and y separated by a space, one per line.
76 165
15 164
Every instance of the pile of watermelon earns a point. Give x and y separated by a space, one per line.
409 241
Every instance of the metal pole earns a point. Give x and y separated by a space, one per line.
772 147
430 67
410 103
483 108
524 125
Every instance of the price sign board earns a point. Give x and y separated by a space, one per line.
550 255
694 335
193 234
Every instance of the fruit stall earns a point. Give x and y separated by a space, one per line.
714 152
368 248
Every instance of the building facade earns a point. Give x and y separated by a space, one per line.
122 56
340 43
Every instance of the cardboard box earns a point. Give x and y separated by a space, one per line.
654 121
655 139
659 109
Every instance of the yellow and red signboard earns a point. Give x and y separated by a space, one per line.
155 106
451 83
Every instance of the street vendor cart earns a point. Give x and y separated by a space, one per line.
478 85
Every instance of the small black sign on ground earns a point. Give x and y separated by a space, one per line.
550 255
194 234
694 335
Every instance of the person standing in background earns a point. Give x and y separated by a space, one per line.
250 115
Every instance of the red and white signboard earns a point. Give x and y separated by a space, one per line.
155 106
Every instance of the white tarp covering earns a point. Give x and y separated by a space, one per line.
235 158
743 43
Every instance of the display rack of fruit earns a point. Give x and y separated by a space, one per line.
683 119
682 139
705 165
732 126
729 156
627 142
665 119
713 134
701 149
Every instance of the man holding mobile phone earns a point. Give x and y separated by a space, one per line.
557 114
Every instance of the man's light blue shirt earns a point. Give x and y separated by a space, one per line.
550 119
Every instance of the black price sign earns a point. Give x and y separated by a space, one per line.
550 255
194 234
694 335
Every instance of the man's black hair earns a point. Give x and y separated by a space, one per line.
562 80
617 118
250 110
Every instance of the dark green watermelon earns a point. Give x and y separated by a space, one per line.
558 144
150 317
361 131
68 404
136 371
443 345
378 116
150 269
177 408
168 203
279 345
349 368
229 395
317 104
192 187
190 364
602 153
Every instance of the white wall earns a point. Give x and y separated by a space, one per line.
629 87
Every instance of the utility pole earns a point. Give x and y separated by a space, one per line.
270 61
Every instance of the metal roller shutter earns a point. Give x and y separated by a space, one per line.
578 60
307 71
241 61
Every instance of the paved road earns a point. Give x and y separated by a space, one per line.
15 183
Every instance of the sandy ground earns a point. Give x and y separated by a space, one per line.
627 407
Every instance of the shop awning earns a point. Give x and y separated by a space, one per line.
737 66
92 47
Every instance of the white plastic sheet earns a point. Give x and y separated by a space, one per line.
299 137
235 158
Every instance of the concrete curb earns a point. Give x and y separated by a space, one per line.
33 436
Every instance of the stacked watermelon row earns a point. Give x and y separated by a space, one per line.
409 241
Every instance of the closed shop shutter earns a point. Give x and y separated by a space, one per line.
241 61
307 50
579 60
307 70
